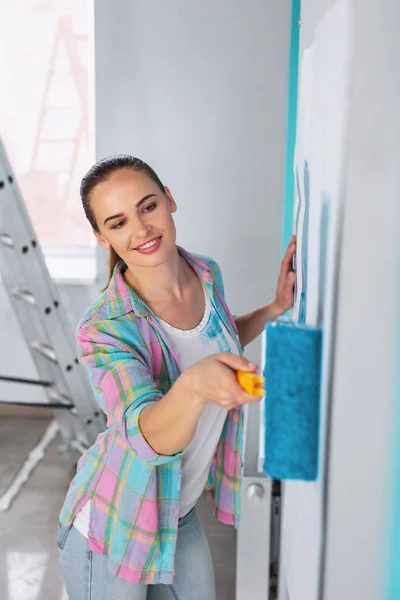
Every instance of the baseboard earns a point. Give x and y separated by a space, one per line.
26 412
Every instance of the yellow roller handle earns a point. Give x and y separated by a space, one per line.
251 383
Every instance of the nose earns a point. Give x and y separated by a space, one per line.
141 229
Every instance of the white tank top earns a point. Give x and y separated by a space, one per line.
191 346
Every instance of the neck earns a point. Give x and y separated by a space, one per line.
166 280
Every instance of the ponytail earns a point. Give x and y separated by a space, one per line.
113 259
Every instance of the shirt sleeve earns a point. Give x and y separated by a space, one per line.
217 274
122 383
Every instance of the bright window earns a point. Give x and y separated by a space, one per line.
45 120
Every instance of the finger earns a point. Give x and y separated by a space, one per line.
255 395
291 245
259 392
249 382
288 288
237 363
286 266
290 280
243 385
258 380
251 401
290 251
287 283
287 261
248 399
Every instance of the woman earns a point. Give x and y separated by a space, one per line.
161 349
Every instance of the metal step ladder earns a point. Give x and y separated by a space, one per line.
44 324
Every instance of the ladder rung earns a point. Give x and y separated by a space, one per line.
45 350
36 404
6 240
78 446
24 295
26 381
60 398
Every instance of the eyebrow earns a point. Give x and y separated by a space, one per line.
119 215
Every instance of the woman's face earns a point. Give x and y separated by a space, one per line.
134 217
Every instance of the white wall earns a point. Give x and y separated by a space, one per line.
198 90
364 406
354 538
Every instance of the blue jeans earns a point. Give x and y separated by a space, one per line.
87 576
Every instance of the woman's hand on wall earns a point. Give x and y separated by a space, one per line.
252 324
284 298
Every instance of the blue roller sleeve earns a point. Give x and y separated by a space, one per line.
292 404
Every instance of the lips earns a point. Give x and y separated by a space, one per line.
150 246
150 241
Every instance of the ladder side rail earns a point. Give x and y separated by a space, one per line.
47 299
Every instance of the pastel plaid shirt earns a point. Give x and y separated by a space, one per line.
134 491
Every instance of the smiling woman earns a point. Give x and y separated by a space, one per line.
162 351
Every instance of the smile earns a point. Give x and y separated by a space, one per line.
150 245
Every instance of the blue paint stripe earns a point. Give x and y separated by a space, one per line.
393 574
291 123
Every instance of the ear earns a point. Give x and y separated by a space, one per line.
102 241
170 199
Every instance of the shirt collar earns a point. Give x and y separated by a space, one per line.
122 299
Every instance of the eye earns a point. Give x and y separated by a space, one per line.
150 207
118 225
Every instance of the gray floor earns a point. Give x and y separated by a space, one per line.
28 554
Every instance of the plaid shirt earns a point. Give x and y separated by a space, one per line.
134 491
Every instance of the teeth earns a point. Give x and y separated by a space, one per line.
148 245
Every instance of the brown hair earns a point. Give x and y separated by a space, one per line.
102 171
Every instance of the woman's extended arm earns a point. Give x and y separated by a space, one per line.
156 427
169 425
252 324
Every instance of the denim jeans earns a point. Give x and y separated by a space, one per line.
87 576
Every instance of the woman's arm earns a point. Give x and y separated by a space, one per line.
122 383
170 424
156 427
251 325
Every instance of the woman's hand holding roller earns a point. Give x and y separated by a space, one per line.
214 380
170 424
